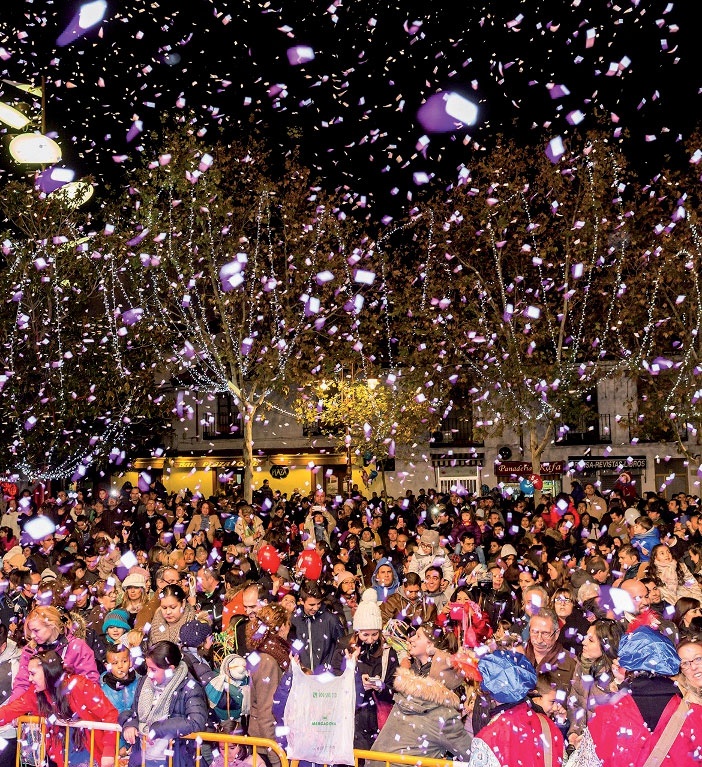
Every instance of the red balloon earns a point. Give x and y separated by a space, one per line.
268 558
536 480
309 563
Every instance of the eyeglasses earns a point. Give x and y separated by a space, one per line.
542 634
564 600
685 664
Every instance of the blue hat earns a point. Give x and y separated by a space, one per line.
118 618
508 676
647 650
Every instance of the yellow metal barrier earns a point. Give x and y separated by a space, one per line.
92 727
388 759
242 740
257 745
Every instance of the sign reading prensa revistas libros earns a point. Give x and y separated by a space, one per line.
613 462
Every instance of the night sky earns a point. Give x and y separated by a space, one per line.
352 109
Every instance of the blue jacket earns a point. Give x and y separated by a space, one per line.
646 541
123 698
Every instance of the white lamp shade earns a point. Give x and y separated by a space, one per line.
35 149
75 193
12 117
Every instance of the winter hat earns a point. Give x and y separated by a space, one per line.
508 676
342 576
48 575
430 537
118 618
647 650
367 616
15 557
508 551
194 633
134 579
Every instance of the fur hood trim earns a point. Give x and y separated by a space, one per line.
425 689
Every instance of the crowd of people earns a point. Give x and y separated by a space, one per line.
495 630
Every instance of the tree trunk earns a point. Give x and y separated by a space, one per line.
248 413
536 449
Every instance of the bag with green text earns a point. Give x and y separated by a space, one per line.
319 716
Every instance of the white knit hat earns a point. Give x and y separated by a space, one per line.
367 616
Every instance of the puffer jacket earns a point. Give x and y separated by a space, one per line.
419 563
77 658
425 720
187 714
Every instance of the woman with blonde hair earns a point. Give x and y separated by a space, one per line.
44 629
136 594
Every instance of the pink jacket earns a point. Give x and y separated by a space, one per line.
77 656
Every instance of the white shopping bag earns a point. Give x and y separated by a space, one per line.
319 716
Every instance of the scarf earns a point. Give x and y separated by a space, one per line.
150 712
160 630
118 684
690 694
277 648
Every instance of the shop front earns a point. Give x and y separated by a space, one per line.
510 473
459 471
603 471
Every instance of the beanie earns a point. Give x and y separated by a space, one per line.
367 615
194 633
134 579
430 537
118 618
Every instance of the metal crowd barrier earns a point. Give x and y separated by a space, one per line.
257 745
35 752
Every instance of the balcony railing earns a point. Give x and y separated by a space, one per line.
642 431
590 430
457 431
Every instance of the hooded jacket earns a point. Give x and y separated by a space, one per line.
425 720
438 557
384 592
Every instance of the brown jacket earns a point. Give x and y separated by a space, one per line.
558 662
398 606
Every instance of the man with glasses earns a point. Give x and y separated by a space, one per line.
545 652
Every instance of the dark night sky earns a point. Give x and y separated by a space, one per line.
353 108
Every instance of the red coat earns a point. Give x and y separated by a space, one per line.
515 737
87 701
622 739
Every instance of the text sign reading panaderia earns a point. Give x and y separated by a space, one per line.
523 468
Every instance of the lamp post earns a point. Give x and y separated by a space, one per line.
35 148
